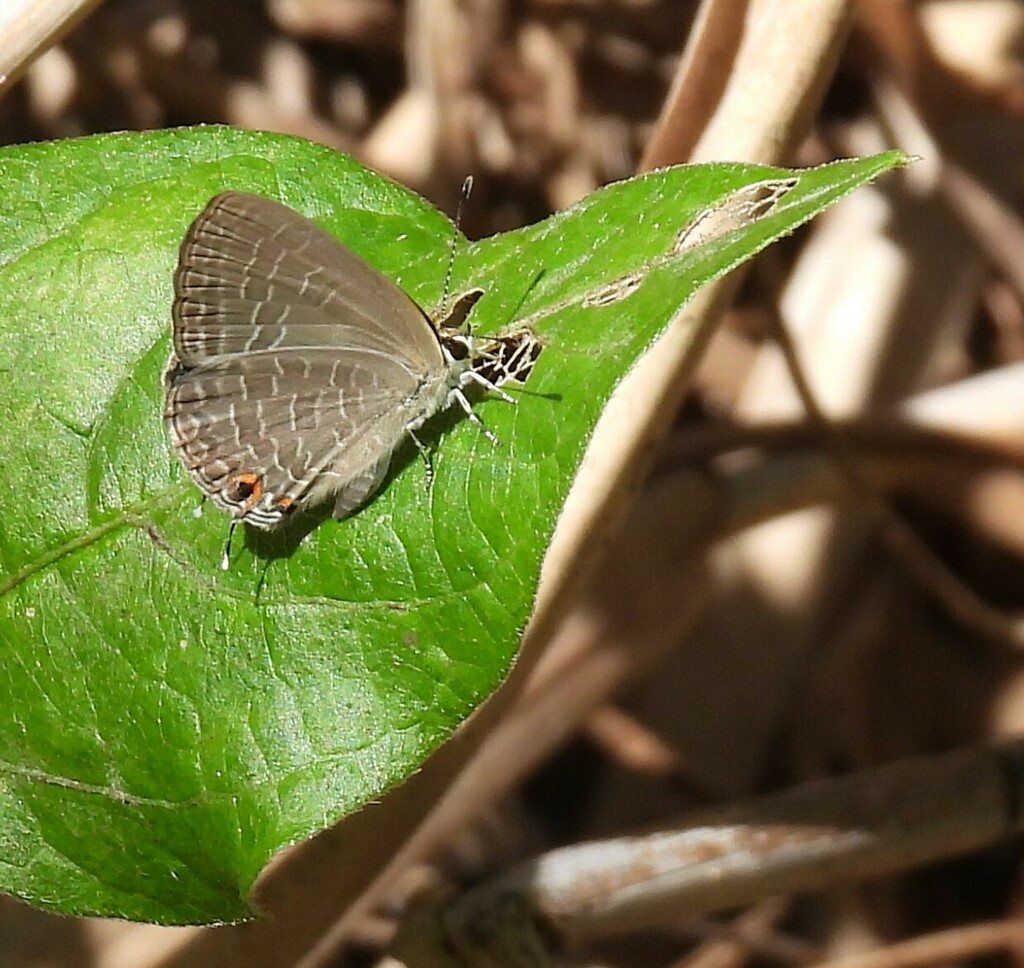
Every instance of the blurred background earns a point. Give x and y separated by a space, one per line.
808 646
541 102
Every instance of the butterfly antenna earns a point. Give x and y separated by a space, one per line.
467 187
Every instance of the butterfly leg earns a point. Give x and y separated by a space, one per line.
472 375
457 395
411 429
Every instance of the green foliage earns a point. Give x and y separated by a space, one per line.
166 726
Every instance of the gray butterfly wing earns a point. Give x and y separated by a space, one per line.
357 491
266 432
255 275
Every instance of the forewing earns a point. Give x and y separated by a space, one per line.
255 275
292 426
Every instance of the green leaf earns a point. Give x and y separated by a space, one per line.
165 726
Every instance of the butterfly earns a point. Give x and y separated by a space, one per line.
298 369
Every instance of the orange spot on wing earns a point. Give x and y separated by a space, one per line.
245 490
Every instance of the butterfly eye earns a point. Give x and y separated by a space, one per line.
457 347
